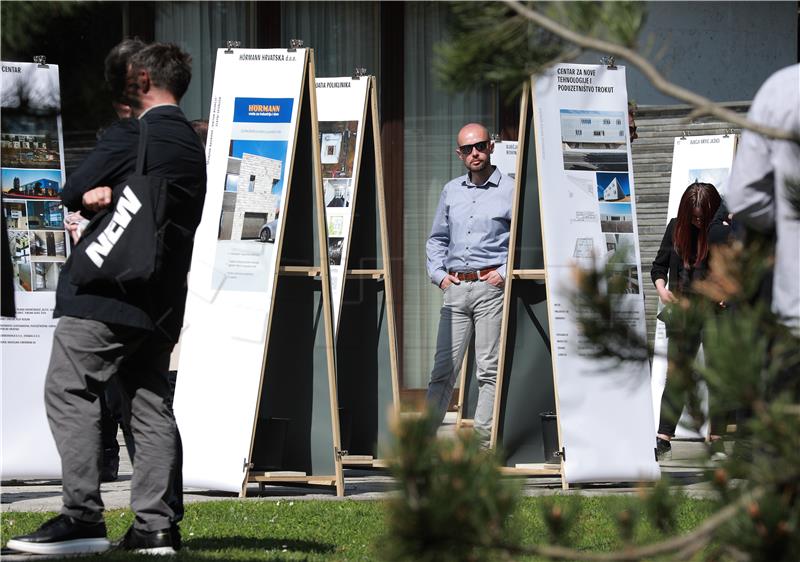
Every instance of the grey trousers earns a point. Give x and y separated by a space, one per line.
472 306
86 355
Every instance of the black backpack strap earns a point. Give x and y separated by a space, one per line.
141 156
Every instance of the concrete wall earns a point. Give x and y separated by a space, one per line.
722 50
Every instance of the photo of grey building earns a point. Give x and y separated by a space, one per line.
594 140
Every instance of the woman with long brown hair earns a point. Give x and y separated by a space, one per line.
682 259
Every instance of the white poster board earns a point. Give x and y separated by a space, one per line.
505 157
588 213
32 153
341 106
707 159
250 149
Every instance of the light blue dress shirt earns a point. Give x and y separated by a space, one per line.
471 227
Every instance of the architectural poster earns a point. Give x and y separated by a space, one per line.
706 159
251 137
505 157
341 106
588 214
32 176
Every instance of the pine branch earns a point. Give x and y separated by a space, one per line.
703 105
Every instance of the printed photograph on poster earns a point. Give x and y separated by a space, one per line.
30 184
19 243
335 248
46 215
338 148
718 177
616 217
49 246
624 279
45 275
252 198
31 104
594 140
16 215
22 276
252 193
620 244
336 224
338 192
613 187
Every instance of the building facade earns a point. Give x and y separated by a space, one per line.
723 50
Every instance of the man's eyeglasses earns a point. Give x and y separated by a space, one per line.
466 149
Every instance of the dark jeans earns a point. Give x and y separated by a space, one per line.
681 352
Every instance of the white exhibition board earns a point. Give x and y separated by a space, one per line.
505 157
588 211
250 149
341 107
707 159
32 180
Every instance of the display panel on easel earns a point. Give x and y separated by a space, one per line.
296 431
341 104
588 210
32 180
250 153
525 376
366 354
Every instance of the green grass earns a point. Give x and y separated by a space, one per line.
346 530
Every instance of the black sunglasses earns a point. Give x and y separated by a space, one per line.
466 149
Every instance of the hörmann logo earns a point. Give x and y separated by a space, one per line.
127 206
261 108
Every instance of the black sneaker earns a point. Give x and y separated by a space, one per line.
663 449
164 541
63 535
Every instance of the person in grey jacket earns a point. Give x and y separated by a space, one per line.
125 331
760 188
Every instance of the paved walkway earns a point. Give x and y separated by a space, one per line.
686 469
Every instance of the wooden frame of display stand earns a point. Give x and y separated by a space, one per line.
366 349
525 382
467 392
295 437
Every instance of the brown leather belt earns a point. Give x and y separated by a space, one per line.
472 275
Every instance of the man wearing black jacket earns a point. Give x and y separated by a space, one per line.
126 331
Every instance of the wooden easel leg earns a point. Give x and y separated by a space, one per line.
462 385
339 480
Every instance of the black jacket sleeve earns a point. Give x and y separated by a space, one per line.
720 231
660 269
111 162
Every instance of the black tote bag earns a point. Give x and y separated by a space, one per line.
122 244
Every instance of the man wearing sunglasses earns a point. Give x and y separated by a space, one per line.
467 252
